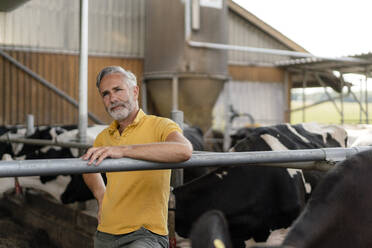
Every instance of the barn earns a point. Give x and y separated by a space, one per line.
132 34
214 60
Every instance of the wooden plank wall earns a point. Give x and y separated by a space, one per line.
256 74
21 95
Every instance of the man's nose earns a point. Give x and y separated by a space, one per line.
113 98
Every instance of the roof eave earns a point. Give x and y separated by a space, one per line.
265 27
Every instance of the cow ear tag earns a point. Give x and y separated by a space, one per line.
218 243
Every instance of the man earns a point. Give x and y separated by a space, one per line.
133 207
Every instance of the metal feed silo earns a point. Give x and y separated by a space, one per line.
176 74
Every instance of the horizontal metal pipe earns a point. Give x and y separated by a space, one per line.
270 51
47 84
78 166
315 103
54 50
45 142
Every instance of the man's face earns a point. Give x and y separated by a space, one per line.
118 98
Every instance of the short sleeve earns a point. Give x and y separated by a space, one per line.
166 126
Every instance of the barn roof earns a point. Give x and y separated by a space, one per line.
359 64
264 26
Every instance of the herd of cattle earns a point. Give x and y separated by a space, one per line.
224 207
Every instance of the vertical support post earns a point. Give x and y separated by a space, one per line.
366 75
83 72
176 180
30 125
177 116
195 14
342 99
30 129
228 124
304 82
175 95
287 99
187 20
360 104
83 78
177 175
144 96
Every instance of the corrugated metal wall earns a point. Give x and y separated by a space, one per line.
116 27
264 101
21 95
44 35
244 33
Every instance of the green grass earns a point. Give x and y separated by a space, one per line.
327 113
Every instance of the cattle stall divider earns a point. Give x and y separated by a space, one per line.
321 159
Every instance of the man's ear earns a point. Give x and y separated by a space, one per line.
135 92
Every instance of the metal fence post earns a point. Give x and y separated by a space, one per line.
30 125
177 175
176 180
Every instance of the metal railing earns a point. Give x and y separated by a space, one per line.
43 142
320 159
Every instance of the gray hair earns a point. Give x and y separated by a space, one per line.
130 78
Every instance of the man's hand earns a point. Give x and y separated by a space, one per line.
100 153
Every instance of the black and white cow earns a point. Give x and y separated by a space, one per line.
20 151
359 135
195 136
338 212
10 132
255 200
76 190
211 231
291 137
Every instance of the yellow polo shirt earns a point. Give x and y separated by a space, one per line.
136 199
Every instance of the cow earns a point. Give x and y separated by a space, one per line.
195 135
338 212
214 140
359 135
76 190
10 132
291 137
255 200
210 231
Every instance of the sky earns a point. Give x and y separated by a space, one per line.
328 28
332 28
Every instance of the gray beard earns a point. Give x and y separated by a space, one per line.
120 114
123 113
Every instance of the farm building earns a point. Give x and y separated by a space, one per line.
215 61
169 53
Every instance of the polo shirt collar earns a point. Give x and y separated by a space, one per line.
114 125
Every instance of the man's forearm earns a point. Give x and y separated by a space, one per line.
158 152
175 149
95 183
